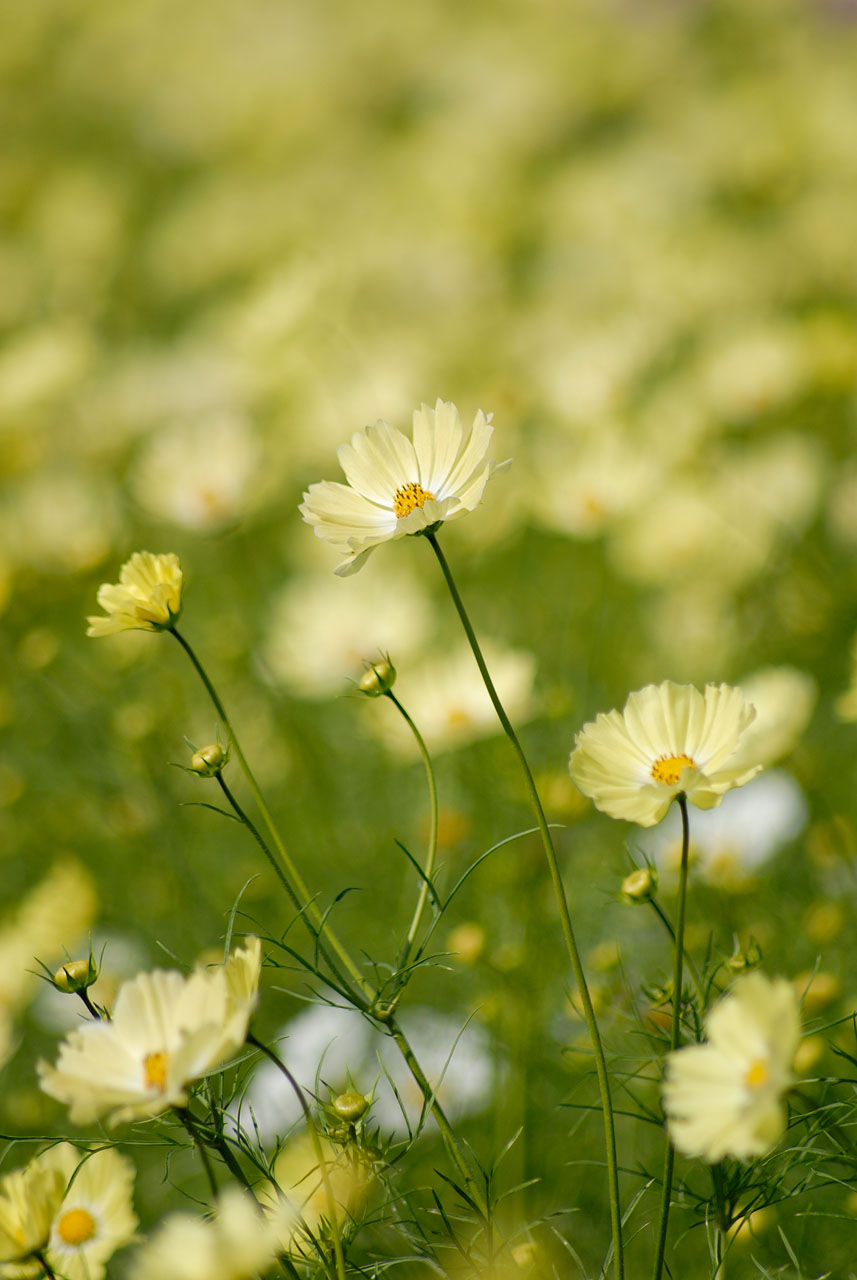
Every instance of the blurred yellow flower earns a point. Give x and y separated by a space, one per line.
166 1031
237 1244
148 596
96 1216
299 1179
398 487
725 1097
29 1199
668 739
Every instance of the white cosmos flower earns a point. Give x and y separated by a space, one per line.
96 1216
397 486
668 739
725 1097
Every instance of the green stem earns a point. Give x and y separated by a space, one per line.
453 1144
296 902
721 1241
565 918
187 1120
288 870
667 923
45 1265
317 1148
300 893
431 857
675 1030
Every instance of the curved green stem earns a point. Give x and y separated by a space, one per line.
317 1148
431 856
287 871
296 902
565 918
675 1030
667 923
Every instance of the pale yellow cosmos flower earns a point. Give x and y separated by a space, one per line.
148 596
398 486
238 1243
29 1200
668 739
725 1097
96 1216
166 1031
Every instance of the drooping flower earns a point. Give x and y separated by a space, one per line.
668 739
166 1031
148 596
238 1243
725 1097
96 1216
397 486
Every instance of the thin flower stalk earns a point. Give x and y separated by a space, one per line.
675 1030
431 854
288 873
300 895
565 917
187 1120
312 1128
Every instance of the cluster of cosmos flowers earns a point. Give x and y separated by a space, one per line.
723 1096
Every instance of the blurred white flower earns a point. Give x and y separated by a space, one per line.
201 475
725 1097
322 630
784 698
728 844
445 697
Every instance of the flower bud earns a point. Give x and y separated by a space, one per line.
378 678
641 885
350 1106
208 761
75 975
741 961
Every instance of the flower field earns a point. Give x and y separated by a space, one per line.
428 530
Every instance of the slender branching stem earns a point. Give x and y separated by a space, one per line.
721 1239
312 1127
47 1269
675 1030
90 1006
565 918
288 872
187 1120
299 894
689 961
296 902
431 854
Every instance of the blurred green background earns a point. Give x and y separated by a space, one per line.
233 234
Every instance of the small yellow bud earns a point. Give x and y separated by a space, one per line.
208 761
350 1106
641 885
378 678
741 961
75 975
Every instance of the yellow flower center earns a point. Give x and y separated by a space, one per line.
758 1075
155 1070
76 1227
410 496
668 769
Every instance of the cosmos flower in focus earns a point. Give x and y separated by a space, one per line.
725 1097
397 486
148 596
668 739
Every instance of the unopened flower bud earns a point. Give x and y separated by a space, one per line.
378 678
208 761
641 885
75 975
350 1106
741 961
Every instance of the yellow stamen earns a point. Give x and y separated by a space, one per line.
668 768
409 497
758 1075
76 1227
155 1070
